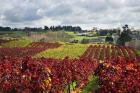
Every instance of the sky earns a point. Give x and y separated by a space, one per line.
84 13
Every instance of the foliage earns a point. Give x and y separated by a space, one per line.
119 76
85 41
125 36
66 28
43 75
103 52
5 28
104 32
109 39
26 75
29 50
118 69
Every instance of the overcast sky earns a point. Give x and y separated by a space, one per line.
85 13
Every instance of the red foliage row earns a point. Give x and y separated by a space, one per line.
119 76
118 70
43 45
30 50
19 75
103 52
27 75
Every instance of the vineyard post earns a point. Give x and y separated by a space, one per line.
68 90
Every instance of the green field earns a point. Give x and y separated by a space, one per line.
17 43
79 38
138 52
70 50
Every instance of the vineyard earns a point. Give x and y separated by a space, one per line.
33 68
104 52
30 50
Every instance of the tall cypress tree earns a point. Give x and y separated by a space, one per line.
124 36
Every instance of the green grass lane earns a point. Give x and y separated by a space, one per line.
91 86
70 50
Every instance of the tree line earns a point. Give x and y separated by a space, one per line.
46 28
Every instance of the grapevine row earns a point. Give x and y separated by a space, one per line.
30 50
103 52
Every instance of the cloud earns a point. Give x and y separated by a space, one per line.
59 10
86 13
20 15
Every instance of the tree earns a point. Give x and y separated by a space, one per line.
124 36
46 28
52 28
5 28
109 39
85 41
